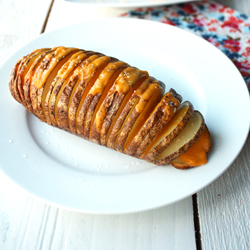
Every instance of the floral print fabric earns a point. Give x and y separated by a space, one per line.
224 27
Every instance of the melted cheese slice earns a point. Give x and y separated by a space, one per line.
99 113
92 74
49 81
43 71
197 154
134 90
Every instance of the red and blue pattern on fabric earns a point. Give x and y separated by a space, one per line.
224 27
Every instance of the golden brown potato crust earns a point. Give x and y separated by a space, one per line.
156 151
184 148
172 100
102 99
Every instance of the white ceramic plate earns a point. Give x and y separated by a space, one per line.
69 172
127 3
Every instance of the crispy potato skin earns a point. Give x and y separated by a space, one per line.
124 85
62 110
118 124
132 147
155 152
78 91
80 124
28 78
181 165
68 85
119 96
167 160
85 101
19 78
173 100
97 97
112 105
131 112
153 119
51 100
12 82
57 84
25 64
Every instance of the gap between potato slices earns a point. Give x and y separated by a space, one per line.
111 103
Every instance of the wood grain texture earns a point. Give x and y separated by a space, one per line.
29 224
78 13
26 223
20 21
224 206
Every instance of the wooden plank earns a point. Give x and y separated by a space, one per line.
46 227
224 206
77 13
20 21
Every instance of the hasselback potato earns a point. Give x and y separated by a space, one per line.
109 102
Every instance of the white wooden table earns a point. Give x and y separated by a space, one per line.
217 217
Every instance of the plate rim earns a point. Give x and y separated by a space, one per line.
128 4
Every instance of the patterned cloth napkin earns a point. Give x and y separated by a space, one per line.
224 27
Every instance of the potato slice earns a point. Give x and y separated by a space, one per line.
19 74
51 80
121 98
13 81
150 116
50 62
62 89
186 138
34 91
128 81
23 70
76 93
55 81
63 101
169 132
131 143
104 82
196 155
140 97
88 71
28 78
17 83
68 62
180 164
135 122
82 109
98 101
171 101
58 103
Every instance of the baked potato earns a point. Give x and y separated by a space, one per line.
109 102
